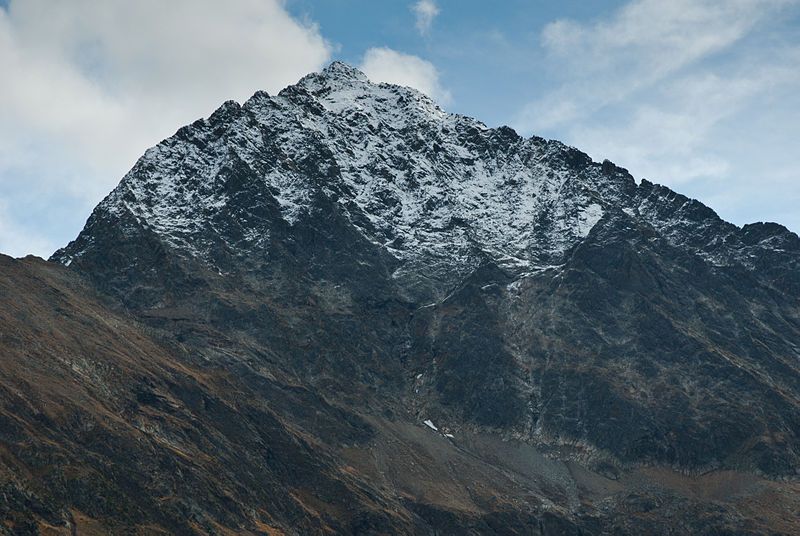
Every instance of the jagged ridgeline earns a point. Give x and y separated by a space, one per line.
456 328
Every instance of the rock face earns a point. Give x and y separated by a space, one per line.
355 261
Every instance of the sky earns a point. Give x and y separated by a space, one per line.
700 95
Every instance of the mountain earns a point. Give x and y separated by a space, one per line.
341 309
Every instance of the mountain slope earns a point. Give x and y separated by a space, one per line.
108 430
410 265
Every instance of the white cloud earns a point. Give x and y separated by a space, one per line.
387 65
665 136
425 11
679 92
88 86
656 34
645 42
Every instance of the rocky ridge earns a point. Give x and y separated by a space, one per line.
427 186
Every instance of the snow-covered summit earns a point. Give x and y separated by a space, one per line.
342 71
440 192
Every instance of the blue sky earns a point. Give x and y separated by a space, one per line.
701 95
489 55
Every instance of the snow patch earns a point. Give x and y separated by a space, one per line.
589 218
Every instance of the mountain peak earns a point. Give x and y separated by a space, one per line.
343 71
434 190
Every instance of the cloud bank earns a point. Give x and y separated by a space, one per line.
676 91
88 86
